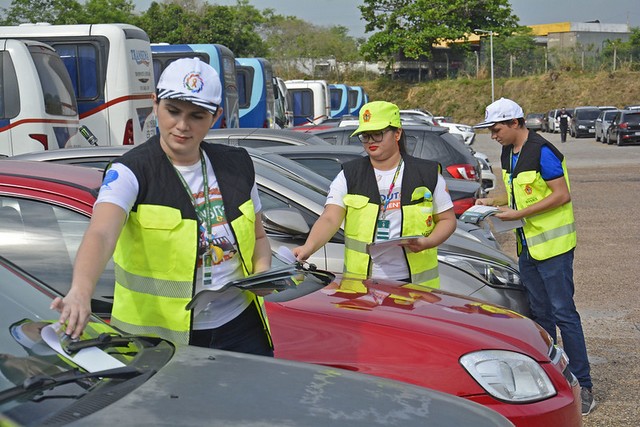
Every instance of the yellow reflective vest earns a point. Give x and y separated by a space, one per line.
362 203
156 254
549 233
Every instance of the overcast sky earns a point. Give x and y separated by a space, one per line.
347 14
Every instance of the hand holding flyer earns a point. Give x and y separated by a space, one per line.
478 213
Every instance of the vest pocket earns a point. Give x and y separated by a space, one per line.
155 239
418 219
360 214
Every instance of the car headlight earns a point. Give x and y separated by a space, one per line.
509 376
496 274
464 128
582 127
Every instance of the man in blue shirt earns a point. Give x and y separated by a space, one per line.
537 184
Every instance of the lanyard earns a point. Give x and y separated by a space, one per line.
387 199
204 217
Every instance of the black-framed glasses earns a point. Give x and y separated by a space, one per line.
367 137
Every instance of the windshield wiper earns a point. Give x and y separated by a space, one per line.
38 382
102 340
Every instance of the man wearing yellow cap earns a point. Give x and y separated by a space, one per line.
383 196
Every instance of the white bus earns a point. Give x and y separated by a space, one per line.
311 101
111 72
38 109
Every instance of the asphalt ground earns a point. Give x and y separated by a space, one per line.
605 190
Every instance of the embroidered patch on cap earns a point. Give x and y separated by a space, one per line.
366 116
193 82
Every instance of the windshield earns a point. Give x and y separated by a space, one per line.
588 114
24 354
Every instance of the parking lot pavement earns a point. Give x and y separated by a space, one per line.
605 184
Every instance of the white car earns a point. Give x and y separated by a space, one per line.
487 176
467 132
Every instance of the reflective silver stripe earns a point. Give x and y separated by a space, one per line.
149 285
425 276
355 245
175 337
551 234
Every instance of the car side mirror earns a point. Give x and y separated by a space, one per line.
287 221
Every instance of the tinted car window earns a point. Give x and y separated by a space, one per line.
590 114
53 233
609 114
328 168
632 118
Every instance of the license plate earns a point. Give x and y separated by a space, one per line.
637 133
592 131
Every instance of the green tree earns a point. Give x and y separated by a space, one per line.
168 22
109 11
51 11
293 41
516 52
188 21
235 27
412 28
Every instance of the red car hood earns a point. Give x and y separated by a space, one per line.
412 335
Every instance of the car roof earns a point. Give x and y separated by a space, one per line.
232 136
86 178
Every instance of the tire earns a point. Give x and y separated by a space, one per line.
619 140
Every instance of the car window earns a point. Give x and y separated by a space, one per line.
328 168
608 115
587 114
53 233
632 118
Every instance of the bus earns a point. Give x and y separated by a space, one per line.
283 104
357 98
311 101
111 73
255 90
38 109
339 94
220 57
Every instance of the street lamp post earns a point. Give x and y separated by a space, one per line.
477 30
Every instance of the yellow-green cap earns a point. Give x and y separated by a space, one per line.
378 115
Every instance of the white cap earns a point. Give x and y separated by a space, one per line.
499 111
191 80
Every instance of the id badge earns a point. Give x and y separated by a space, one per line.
207 270
383 229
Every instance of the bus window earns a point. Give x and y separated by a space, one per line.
10 99
58 94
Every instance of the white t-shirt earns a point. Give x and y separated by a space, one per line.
390 264
221 307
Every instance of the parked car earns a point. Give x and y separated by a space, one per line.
256 137
427 142
149 381
550 121
466 347
625 128
602 124
327 161
533 121
583 122
291 205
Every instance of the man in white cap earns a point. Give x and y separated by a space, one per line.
179 216
537 184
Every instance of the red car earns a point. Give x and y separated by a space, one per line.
462 346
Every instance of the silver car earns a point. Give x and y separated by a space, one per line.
602 124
